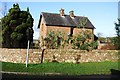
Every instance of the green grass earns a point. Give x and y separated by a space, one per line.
63 68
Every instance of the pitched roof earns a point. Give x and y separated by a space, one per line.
52 19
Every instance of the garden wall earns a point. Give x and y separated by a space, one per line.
59 55
18 55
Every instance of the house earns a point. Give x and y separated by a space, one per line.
62 22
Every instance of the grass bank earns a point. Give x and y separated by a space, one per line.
63 68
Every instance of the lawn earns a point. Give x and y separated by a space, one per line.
63 68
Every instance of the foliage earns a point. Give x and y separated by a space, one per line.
14 26
1 39
117 27
94 44
54 39
116 40
63 68
83 41
102 39
83 22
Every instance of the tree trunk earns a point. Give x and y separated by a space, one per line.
42 56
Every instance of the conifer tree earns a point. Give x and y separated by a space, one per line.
14 27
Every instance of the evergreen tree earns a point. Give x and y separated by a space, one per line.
117 27
116 40
14 27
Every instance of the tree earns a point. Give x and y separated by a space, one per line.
116 40
14 27
117 27
0 33
82 23
83 41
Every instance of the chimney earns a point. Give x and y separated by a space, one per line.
71 13
62 12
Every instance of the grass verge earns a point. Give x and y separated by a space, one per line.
63 68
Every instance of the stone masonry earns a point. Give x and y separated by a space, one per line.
58 55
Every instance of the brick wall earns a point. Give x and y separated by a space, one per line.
59 55
67 30
43 31
78 30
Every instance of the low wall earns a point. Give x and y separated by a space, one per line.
81 55
59 55
18 55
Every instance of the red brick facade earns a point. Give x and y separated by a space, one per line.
67 30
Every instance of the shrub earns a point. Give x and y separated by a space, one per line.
54 40
94 44
116 42
81 41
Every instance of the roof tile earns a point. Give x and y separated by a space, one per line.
53 19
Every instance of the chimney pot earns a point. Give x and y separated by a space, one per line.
71 13
62 12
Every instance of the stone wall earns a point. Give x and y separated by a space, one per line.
81 55
18 55
58 55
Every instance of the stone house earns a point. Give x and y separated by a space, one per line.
62 22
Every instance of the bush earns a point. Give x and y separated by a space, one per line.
54 40
94 44
116 42
81 41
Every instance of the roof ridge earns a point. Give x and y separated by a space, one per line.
65 14
49 13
